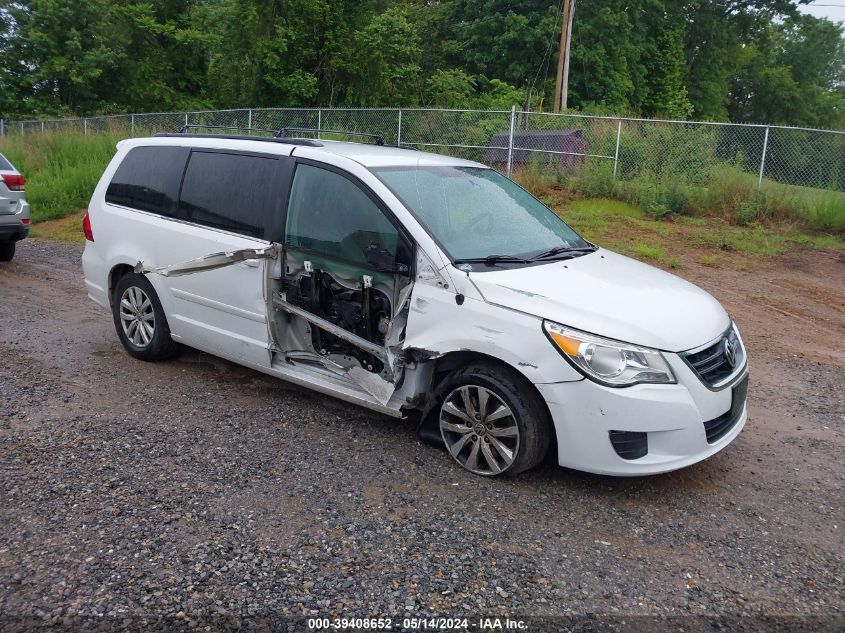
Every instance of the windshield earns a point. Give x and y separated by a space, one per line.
475 213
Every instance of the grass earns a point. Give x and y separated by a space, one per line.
66 229
61 170
713 241
709 189
649 252
645 216
605 207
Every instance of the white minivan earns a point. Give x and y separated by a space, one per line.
416 285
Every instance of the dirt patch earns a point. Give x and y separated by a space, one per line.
793 304
66 229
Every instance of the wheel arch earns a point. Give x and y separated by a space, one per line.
115 274
450 361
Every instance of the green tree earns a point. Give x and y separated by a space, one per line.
605 55
501 39
162 64
666 95
715 59
792 74
451 88
382 66
60 54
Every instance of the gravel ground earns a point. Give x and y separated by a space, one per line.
196 492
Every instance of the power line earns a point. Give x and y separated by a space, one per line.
547 55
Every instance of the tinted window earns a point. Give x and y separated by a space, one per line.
148 179
330 214
229 191
5 165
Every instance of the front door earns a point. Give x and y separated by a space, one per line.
346 261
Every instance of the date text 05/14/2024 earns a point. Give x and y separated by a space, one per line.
416 624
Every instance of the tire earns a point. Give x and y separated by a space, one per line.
7 251
135 301
505 419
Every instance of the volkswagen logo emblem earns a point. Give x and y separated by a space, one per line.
730 352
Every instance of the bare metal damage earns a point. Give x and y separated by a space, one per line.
280 302
422 330
391 354
211 262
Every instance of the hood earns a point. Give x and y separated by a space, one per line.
610 295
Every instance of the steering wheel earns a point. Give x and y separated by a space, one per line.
488 217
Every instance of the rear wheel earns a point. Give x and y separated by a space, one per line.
492 421
139 319
7 251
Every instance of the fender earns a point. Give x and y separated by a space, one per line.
441 321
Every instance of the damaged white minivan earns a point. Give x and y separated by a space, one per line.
416 285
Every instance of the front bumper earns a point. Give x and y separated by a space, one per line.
672 417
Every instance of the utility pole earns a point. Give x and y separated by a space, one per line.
562 81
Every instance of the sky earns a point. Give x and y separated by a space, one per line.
835 13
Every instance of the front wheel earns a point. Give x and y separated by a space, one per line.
7 251
139 319
492 421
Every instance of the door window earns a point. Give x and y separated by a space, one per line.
148 179
234 192
331 215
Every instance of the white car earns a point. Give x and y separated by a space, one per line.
415 285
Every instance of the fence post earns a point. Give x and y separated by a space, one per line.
616 153
249 120
763 159
399 130
510 141
42 127
319 121
85 126
186 119
132 125
21 128
2 127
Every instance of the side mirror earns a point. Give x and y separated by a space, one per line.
381 259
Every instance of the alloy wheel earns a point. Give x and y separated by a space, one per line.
480 431
137 316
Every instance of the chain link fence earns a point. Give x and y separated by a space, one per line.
623 148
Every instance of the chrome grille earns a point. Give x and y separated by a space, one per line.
718 362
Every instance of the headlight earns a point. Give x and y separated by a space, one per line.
606 361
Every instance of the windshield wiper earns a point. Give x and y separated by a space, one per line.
492 260
564 252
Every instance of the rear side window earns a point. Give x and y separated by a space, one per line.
229 191
148 179
5 165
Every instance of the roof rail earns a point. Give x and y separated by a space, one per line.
197 126
285 133
275 138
